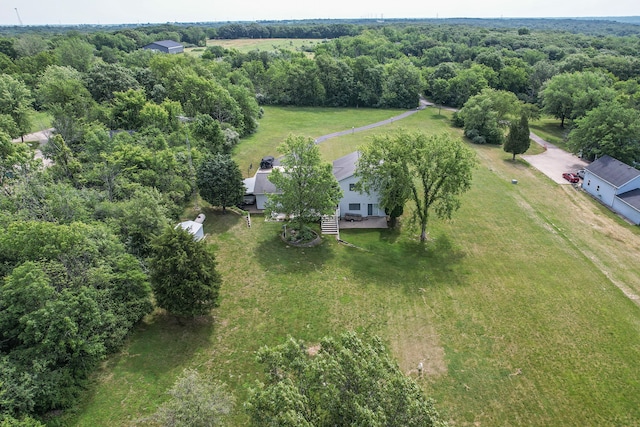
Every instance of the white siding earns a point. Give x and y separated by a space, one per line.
598 188
261 199
627 211
351 197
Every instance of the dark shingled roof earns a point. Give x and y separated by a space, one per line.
262 184
344 167
613 171
632 198
168 43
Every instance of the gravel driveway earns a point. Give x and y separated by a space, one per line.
554 161
42 137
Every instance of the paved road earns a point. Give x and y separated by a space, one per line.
554 161
42 137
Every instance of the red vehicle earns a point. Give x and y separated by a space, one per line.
571 177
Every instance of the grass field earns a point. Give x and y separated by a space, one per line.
548 128
268 45
514 306
40 120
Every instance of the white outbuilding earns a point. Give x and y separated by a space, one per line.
194 228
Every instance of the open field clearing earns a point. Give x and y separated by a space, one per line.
516 307
267 45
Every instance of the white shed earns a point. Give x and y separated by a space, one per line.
194 228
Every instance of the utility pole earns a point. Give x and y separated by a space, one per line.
19 19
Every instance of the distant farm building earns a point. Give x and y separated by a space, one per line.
165 46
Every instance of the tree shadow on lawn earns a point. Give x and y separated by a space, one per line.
519 163
279 257
162 343
411 264
217 222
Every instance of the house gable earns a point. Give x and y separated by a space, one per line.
628 205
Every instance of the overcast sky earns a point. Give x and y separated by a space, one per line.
38 12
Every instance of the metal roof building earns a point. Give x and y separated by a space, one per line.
165 46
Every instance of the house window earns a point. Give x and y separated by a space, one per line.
589 182
598 188
354 206
352 187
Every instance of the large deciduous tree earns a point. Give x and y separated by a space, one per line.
484 115
611 129
69 295
350 381
220 181
15 101
432 171
402 85
62 92
518 141
196 401
183 274
104 79
571 95
306 186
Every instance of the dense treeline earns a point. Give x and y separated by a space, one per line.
132 127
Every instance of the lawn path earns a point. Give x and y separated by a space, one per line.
322 138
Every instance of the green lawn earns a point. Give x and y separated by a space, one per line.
549 129
40 120
514 306
280 122
269 45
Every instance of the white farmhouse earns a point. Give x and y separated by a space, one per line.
352 202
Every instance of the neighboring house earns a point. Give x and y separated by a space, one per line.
344 169
165 46
616 185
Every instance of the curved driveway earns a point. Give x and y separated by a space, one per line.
322 138
554 161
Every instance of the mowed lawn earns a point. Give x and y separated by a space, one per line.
514 306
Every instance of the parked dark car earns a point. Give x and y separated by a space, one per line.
571 177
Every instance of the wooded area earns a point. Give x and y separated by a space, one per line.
132 127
